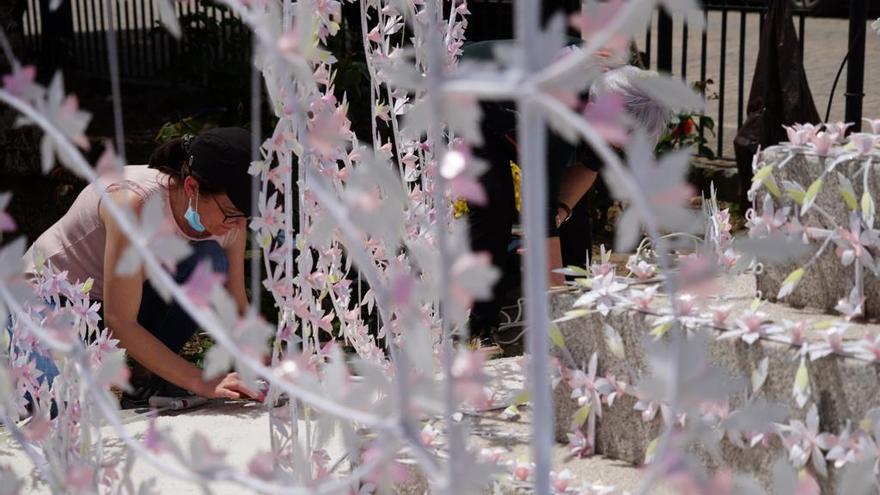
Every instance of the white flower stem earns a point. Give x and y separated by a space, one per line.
532 138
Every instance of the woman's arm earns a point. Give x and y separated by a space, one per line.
122 300
235 278
577 181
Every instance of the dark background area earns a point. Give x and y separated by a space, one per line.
168 87
171 87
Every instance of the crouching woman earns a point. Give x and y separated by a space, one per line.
204 189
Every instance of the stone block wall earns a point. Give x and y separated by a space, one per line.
826 281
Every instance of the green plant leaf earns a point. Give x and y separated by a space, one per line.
846 190
651 450
850 199
801 389
581 415
790 282
574 314
868 208
660 330
764 176
578 271
812 193
556 336
796 194
824 324
707 152
762 173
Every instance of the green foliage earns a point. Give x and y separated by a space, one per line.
214 52
689 130
215 56
684 132
186 125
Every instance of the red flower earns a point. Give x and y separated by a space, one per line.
684 128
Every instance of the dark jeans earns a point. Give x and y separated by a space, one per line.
166 320
491 224
576 236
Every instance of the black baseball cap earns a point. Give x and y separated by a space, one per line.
222 156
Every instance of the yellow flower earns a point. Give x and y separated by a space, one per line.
517 182
460 206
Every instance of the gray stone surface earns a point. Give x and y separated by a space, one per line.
491 430
721 173
241 429
826 281
842 388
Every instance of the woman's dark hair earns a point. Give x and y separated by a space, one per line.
218 159
172 157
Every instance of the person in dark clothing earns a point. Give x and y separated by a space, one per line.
571 171
491 224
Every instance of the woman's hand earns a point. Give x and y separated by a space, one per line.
563 213
228 386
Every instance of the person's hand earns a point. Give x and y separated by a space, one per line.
563 213
229 386
560 217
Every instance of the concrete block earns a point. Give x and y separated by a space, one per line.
826 281
843 388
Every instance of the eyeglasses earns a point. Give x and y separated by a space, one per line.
228 219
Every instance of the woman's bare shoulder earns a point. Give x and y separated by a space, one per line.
128 199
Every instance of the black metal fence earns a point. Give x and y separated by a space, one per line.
75 38
725 54
732 22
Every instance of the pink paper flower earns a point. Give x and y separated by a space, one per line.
7 224
21 82
202 282
875 125
863 142
822 143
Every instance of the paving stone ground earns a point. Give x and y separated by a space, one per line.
242 429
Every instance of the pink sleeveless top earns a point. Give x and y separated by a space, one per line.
75 243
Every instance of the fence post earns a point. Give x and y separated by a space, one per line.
855 69
664 42
56 31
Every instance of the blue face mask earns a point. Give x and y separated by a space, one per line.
192 216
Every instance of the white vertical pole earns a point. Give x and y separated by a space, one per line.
435 66
256 133
532 138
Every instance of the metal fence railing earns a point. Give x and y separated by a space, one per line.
74 38
726 54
